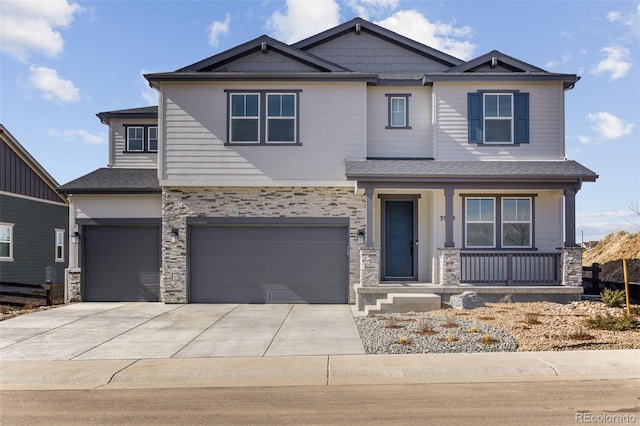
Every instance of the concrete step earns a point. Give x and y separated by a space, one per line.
405 302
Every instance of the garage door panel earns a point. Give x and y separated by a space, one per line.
121 263
262 264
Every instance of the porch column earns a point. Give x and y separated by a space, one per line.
368 193
448 218
570 217
572 266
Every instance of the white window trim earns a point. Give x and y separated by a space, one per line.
294 117
243 117
467 222
129 128
404 111
56 245
529 222
11 242
149 138
485 118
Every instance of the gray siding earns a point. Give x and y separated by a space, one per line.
546 123
118 145
18 178
414 142
332 128
265 62
34 240
367 53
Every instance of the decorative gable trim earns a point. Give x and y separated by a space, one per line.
262 44
358 25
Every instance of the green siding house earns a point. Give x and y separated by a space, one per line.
34 219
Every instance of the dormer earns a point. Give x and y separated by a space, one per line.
133 137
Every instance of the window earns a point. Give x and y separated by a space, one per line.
516 222
153 139
6 241
135 138
142 138
263 117
59 254
245 120
281 117
508 227
498 117
398 115
480 222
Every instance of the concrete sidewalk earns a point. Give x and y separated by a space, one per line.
320 370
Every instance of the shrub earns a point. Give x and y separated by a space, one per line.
425 327
611 323
532 319
404 341
581 335
488 339
612 298
393 322
450 325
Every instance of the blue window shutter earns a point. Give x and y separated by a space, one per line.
521 114
474 117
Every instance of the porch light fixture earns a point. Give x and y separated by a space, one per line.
75 237
361 236
174 235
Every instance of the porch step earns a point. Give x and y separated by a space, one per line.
405 302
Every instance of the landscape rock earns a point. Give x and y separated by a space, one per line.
466 300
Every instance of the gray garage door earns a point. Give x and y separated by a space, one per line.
121 263
268 264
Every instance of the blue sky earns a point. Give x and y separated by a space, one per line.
62 61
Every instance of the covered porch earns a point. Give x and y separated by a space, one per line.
544 262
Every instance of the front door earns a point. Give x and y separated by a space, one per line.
399 243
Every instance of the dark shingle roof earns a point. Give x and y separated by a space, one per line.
141 112
548 170
114 181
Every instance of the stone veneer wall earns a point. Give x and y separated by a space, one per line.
450 266
572 266
178 203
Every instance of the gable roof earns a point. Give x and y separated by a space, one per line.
108 180
141 112
358 24
262 43
31 162
513 64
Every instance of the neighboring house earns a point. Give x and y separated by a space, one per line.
34 219
351 164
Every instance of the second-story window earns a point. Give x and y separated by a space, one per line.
398 114
141 138
263 117
498 117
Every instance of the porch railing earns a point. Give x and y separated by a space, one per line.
510 268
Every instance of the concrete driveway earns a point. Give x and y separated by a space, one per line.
99 331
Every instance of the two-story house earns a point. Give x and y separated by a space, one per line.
349 165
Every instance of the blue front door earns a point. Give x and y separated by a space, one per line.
399 240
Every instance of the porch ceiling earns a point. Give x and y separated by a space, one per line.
448 172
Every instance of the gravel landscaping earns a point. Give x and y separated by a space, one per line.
536 326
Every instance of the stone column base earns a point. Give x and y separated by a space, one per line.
74 283
571 266
369 267
449 271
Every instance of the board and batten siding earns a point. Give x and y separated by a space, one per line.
367 53
34 240
546 123
265 62
413 142
118 145
332 126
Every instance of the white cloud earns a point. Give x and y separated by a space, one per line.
218 28
608 125
613 16
555 62
70 135
30 26
617 63
584 139
53 87
303 19
445 37
148 94
367 8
